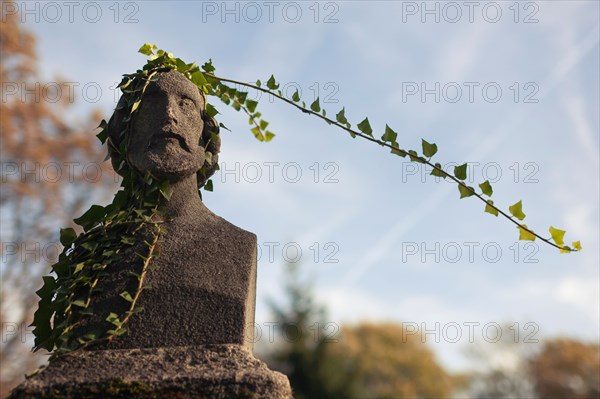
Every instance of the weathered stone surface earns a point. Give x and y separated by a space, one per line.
211 371
201 289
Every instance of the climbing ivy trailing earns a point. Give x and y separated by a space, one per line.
66 298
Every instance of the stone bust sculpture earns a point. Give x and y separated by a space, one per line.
193 337
202 286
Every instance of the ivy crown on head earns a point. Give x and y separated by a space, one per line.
118 129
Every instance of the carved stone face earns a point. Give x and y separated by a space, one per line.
166 131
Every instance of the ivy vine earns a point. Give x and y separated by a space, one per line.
66 298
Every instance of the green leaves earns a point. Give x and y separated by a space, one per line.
211 111
315 106
147 49
271 84
198 79
365 127
67 236
486 188
208 66
517 210
165 189
296 97
103 135
557 236
91 217
341 117
251 105
460 172
490 209
429 150
465 191
127 296
438 171
525 234
389 135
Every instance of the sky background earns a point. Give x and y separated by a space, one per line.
380 239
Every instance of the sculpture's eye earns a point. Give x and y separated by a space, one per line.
186 102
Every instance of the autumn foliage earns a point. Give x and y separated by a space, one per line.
50 163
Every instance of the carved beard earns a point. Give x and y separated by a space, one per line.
169 156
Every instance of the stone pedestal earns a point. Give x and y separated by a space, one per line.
185 372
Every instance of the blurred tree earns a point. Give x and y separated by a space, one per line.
567 368
367 360
501 367
300 354
513 369
383 361
49 167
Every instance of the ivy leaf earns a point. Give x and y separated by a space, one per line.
315 106
414 156
365 127
490 209
258 83
486 188
438 173
460 172
79 302
147 49
126 295
103 135
269 136
241 96
251 105
208 186
296 97
557 236
113 318
79 267
271 84
48 287
257 133
565 249
340 117
465 191
91 217
389 135
211 111
577 245
429 149
67 236
517 210
43 314
208 66
165 189
396 150
525 235
198 79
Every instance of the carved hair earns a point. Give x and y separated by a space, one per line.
210 135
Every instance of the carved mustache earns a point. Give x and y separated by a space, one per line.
166 133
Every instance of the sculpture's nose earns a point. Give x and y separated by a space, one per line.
171 114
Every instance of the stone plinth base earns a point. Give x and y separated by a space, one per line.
198 372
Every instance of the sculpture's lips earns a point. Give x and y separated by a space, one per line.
165 135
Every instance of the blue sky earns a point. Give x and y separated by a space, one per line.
530 124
